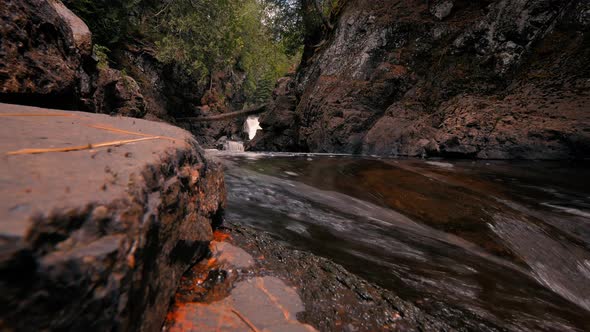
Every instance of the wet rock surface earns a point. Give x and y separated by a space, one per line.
265 286
504 79
98 237
225 293
334 299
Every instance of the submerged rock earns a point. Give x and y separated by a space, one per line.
98 237
267 287
332 299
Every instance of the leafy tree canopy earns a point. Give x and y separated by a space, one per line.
262 38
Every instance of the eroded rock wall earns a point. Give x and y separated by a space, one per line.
486 79
43 49
47 59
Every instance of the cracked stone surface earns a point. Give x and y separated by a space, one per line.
258 303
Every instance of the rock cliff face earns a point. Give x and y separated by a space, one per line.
43 51
170 94
278 124
46 59
486 79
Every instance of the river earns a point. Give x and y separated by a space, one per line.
484 245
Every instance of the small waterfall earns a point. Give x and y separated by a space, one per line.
251 126
234 146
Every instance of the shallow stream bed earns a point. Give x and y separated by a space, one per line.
483 245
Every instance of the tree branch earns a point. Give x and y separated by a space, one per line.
325 20
224 116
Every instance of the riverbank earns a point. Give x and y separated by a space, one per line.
252 282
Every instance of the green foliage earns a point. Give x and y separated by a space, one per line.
207 36
203 36
262 57
111 21
100 52
262 38
284 18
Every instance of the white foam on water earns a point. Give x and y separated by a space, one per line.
234 146
569 210
440 164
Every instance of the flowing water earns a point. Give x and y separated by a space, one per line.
251 126
233 146
482 245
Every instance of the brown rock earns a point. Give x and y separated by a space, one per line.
43 46
119 94
392 77
108 253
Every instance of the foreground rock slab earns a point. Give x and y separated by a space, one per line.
98 237
222 294
252 283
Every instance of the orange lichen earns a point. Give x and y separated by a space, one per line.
211 262
131 261
220 236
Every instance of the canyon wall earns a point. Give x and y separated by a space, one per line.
506 79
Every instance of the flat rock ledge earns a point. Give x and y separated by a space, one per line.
98 237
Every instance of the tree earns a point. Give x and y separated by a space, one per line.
207 36
203 36
284 18
262 38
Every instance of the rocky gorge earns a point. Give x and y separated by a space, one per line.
503 79
114 217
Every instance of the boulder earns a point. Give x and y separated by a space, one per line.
43 50
98 237
117 93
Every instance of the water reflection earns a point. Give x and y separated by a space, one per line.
487 246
